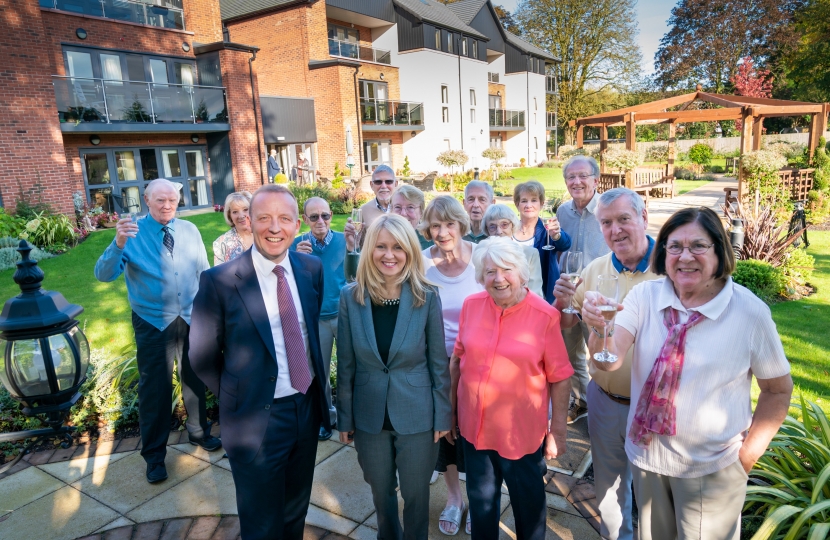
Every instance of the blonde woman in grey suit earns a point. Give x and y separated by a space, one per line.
393 382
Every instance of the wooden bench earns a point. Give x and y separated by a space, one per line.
728 196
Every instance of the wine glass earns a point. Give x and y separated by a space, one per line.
571 269
608 287
357 221
547 214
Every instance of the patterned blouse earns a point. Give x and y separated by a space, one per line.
227 247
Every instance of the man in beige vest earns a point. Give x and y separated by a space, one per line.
623 220
383 184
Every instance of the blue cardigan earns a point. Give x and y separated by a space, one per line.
548 258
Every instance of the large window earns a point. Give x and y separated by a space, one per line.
115 178
445 100
472 97
450 39
438 39
475 49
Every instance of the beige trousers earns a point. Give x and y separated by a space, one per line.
704 508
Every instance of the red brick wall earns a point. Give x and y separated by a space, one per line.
247 156
31 147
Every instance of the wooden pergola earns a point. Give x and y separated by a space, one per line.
751 111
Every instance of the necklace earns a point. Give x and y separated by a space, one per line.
393 302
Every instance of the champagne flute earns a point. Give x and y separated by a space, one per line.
357 221
608 287
572 268
547 214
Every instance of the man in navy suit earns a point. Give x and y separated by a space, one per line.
255 344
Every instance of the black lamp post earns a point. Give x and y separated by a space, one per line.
43 354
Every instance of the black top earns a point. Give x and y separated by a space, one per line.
384 319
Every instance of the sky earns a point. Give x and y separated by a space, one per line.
652 16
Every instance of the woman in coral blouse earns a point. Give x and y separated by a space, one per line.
509 363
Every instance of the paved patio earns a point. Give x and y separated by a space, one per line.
99 491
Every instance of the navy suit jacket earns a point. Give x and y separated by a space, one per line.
232 347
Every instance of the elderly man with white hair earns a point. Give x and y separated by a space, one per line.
478 196
161 258
383 184
623 219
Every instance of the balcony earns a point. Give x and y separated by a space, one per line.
98 105
550 85
161 13
507 120
383 115
349 49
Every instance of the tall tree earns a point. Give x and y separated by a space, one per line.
596 41
708 38
507 20
809 61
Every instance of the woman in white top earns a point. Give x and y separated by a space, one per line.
500 220
698 339
449 265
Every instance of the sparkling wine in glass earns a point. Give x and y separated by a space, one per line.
357 221
548 215
571 269
609 288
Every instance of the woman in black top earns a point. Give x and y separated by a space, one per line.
393 378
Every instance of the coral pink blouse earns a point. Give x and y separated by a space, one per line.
508 358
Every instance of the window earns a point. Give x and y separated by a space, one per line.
445 94
341 33
125 165
450 38
445 115
149 165
447 144
534 118
438 39
463 46
472 116
535 143
445 98
535 106
472 96
493 77
475 49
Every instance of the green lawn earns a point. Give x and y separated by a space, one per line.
685 186
551 178
106 319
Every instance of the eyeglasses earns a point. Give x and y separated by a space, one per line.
314 217
388 182
407 209
572 177
694 249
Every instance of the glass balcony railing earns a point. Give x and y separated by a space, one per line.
98 100
550 84
507 118
348 49
392 113
161 13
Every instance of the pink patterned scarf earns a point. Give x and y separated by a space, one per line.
656 412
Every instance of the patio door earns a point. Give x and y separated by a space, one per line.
376 153
374 98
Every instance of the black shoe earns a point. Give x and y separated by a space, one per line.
208 442
324 434
156 472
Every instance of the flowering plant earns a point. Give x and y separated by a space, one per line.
106 217
623 160
761 167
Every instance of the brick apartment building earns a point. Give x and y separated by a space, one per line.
101 96
377 81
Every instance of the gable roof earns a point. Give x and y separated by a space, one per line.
232 9
528 47
438 13
466 10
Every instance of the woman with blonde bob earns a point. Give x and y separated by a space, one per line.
393 383
239 238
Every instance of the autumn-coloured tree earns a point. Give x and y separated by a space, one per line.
751 82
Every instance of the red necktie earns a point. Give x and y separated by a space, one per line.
293 336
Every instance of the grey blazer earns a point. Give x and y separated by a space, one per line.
415 383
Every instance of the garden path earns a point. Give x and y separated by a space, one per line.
710 195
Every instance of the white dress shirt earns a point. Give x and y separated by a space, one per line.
268 285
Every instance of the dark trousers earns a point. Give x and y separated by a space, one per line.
525 481
156 350
273 490
413 458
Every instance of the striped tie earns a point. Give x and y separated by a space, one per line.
168 239
292 335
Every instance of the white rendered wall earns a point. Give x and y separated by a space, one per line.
521 89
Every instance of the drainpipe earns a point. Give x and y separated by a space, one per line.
460 106
256 114
359 123
527 116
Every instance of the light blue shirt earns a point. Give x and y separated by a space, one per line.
160 286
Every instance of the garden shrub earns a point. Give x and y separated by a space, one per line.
281 178
762 167
552 164
658 152
763 279
717 169
701 155
442 183
304 193
797 269
337 180
50 232
10 225
9 257
619 159
502 188
682 173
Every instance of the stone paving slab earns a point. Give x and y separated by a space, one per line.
25 486
208 492
578 445
340 489
560 526
76 469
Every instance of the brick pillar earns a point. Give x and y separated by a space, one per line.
246 138
32 155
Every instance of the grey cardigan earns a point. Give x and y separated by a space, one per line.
415 383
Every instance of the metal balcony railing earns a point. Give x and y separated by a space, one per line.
161 13
506 118
107 101
550 85
349 49
391 113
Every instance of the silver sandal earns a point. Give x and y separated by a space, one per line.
452 514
